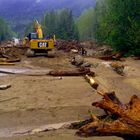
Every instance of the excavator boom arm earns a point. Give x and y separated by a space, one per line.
38 29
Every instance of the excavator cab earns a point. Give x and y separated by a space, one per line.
32 36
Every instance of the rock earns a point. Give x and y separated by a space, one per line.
77 60
106 64
118 67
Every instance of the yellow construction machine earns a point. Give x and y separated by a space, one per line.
37 44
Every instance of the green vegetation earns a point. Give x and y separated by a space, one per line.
120 25
5 32
85 25
116 23
28 29
60 23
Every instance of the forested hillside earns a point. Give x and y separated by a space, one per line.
19 13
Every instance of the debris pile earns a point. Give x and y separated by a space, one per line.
14 51
6 44
104 50
98 50
8 55
69 46
101 51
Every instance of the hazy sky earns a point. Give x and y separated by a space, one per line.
37 1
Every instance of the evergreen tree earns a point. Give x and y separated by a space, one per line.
119 25
49 23
85 25
60 23
28 29
5 31
115 22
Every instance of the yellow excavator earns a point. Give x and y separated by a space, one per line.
37 44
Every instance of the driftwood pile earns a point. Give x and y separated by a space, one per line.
9 55
67 46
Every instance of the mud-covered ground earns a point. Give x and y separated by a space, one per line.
34 101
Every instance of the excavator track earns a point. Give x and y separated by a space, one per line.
51 53
30 53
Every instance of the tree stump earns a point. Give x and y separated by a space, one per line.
120 119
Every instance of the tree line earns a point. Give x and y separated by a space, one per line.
61 23
5 31
116 23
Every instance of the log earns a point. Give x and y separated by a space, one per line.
3 87
7 63
116 56
137 58
125 123
77 72
91 81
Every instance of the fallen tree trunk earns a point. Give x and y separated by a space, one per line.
77 72
122 120
137 58
7 63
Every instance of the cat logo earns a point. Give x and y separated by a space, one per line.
42 44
